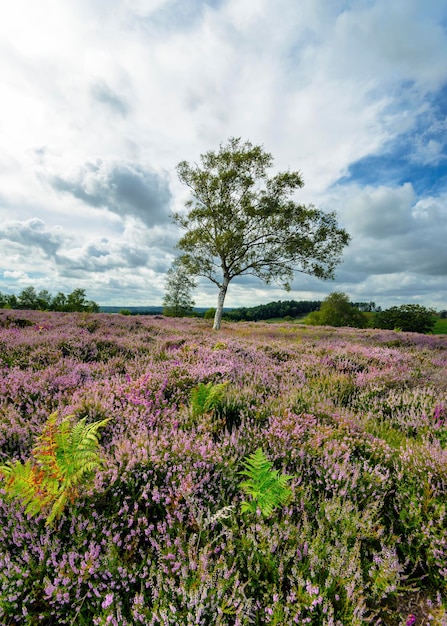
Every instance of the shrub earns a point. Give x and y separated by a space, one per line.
407 317
209 314
337 310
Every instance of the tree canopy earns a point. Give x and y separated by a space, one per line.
177 301
29 299
337 310
281 308
407 317
242 221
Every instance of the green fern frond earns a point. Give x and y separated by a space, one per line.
77 450
64 456
207 397
267 488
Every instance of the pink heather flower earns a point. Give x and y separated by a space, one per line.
49 589
411 619
107 600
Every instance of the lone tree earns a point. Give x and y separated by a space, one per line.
241 221
177 301
337 310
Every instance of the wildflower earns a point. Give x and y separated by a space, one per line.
107 600
411 619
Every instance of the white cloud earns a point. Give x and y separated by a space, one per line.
100 101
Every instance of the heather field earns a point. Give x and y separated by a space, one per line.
357 419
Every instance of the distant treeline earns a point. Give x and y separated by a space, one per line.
132 310
30 299
287 308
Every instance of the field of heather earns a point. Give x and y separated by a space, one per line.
357 419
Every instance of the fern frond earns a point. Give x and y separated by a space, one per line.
77 450
27 482
45 447
57 508
62 459
207 397
267 488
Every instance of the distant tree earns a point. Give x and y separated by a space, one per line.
28 299
92 307
209 314
337 310
407 317
241 221
11 301
177 301
3 300
76 300
366 307
443 315
59 302
44 300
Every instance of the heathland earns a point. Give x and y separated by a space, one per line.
159 534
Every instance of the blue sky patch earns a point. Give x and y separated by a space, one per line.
419 156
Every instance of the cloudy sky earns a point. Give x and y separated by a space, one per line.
101 99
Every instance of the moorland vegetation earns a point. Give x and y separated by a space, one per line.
263 474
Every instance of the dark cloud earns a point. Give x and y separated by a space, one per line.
394 235
127 189
33 233
103 94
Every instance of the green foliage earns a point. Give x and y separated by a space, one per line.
267 488
177 301
337 310
76 301
207 397
29 299
242 221
273 310
407 317
313 319
209 314
63 458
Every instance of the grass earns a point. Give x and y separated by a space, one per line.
440 327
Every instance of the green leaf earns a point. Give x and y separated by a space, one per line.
207 397
63 458
267 488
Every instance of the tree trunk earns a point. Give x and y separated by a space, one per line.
220 303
